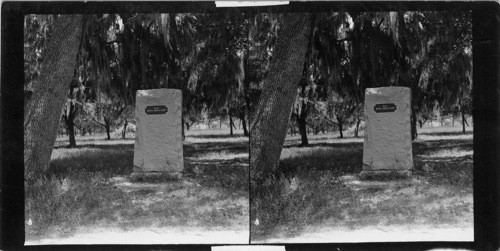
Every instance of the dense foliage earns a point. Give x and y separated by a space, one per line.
220 60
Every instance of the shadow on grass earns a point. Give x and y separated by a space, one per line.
77 189
446 133
216 136
97 146
195 149
342 145
306 189
221 160
93 138
426 147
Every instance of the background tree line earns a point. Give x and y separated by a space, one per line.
222 61
340 55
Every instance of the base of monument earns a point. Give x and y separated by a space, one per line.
154 176
384 174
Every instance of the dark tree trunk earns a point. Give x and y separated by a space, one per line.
43 110
71 130
302 124
84 131
463 122
188 126
244 124
269 122
414 133
183 132
124 132
356 131
302 119
421 123
107 125
69 119
231 125
341 126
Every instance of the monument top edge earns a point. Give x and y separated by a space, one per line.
161 90
376 90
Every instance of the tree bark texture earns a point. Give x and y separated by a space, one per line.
270 121
43 110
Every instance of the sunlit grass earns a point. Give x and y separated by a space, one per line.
221 155
318 186
449 153
89 186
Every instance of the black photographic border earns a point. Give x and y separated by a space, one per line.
486 92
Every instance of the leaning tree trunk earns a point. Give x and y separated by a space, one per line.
43 110
271 117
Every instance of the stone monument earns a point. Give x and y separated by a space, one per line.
387 147
158 152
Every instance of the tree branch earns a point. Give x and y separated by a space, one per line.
98 122
331 121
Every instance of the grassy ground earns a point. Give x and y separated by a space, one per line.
89 188
318 188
